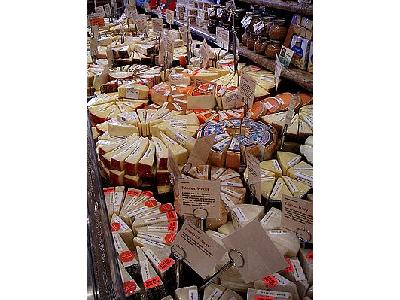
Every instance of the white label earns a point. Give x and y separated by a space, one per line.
118 197
152 256
229 176
305 177
145 269
215 295
277 189
285 56
298 272
278 70
230 183
117 243
170 14
222 38
241 217
294 161
247 87
228 202
151 243
193 295
218 173
141 24
276 165
293 189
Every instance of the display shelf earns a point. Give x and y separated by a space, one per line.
105 268
292 6
302 78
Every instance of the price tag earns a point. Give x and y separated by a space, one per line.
258 27
222 38
141 24
170 15
132 94
247 87
285 56
93 47
231 100
146 7
202 194
260 254
95 30
246 21
202 252
201 150
107 9
100 10
254 171
157 25
290 112
297 216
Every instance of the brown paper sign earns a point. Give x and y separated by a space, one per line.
202 194
202 253
247 87
297 216
254 171
201 150
261 257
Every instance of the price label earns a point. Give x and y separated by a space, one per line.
231 100
100 10
247 87
170 15
107 9
141 23
93 47
222 38
246 21
285 56
157 25
254 171
258 27
290 112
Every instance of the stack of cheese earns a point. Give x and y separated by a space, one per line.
307 149
143 230
257 138
286 175
232 190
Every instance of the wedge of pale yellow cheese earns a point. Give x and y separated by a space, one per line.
297 188
242 214
132 160
302 172
272 219
267 182
182 138
179 153
118 128
206 101
280 189
287 160
146 163
118 160
120 227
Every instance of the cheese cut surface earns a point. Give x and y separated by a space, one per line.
280 188
287 160
297 188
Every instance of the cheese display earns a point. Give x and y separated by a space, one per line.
148 102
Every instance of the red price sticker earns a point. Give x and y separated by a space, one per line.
264 298
270 281
126 256
133 193
172 226
152 282
290 268
129 288
115 226
171 215
165 264
108 190
151 203
309 256
169 238
166 207
147 193
97 21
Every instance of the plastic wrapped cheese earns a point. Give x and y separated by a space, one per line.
285 241
187 293
242 214
227 228
272 219
276 282
253 293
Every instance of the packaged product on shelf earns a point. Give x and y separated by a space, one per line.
300 47
310 59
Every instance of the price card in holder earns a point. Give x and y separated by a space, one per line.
222 38
254 179
201 150
200 194
100 10
297 216
170 15
157 25
202 253
247 87
107 9
141 23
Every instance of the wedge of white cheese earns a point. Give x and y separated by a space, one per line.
278 283
253 294
120 227
285 241
272 219
242 214
187 293
287 160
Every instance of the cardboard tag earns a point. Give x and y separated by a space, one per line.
204 53
247 87
107 9
173 166
141 23
297 216
285 56
202 252
231 100
278 71
201 150
170 15
222 37
95 31
100 10
93 47
199 193
254 171
261 257
110 56
157 25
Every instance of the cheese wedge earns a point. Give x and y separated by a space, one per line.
179 153
307 151
161 153
294 272
131 162
187 293
230 295
242 214
213 292
117 160
183 139
253 294
149 276
216 172
226 229
272 166
206 101
285 241
125 256
287 160
120 227
160 259
145 165
280 188
297 188
133 91
278 283
132 181
302 172
119 196
272 219
109 200
306 261
117 128
117 177
131 288
217 156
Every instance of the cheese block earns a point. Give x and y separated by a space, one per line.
206 101
307 152
213 292
306 261
182 138
109 200
104 146
297 188
230 295
160 259
117 177
272 219
280 189
285 241
267 183
242 214
160 93
294 272
217 156
287 160
179 153
132 181
302 172
227 228
120 227
125 256
236 192
277 120
161 153
145 165
253 294
278 283
117 161
117 128
118 198
233 155
150 278
179 79
131 288
272 166
187 293
131 162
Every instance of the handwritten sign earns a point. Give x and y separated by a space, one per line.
222 37
247 87
141 23
170 15
107 9
157 25
254 179
100 10
199 193
202 252
201 150
259 252
297 216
